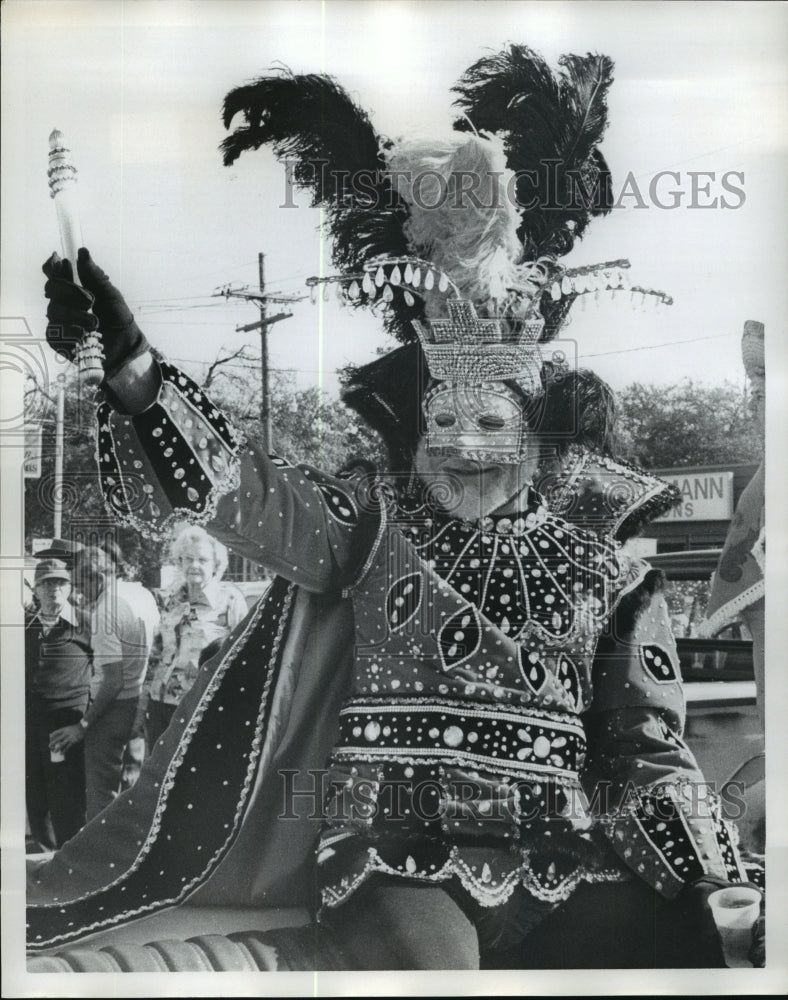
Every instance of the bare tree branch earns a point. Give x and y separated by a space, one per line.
213 368
37 388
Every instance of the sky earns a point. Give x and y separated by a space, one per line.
136 88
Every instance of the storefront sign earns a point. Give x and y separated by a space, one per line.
705 496
32 459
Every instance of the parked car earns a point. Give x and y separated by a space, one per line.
723 726
727 655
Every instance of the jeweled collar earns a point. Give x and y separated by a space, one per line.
422 504
531 574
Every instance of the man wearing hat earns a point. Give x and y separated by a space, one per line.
57 679
120 641
61 548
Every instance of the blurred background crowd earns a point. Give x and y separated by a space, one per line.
106 662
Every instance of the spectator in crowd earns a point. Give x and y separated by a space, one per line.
65 550
121 636
199 610
57 682
145 604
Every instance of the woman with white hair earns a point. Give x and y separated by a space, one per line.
199 610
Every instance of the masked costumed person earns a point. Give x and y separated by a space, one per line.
453 726
738 584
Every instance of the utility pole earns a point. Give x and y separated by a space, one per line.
265 402
262 325
57 493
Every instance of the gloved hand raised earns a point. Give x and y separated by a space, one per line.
96 305
757 953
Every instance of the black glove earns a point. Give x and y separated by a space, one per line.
693 901
703 887
757 953
69 308
70 316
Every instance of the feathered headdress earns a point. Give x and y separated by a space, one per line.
332 149
543 127
551 125
523 167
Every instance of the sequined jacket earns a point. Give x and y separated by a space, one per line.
498 702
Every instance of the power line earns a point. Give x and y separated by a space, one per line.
165 300
171 298
167 309
654 347
252 366
182 323
155 308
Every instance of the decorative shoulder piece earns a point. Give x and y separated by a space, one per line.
605 496
173 462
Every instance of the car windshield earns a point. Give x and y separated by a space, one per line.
687 601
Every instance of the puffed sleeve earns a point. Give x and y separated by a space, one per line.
662 818
182 460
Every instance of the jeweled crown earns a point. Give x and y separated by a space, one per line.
466 348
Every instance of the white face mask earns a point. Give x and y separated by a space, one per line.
471 488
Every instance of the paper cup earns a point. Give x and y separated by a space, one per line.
735 911
57 756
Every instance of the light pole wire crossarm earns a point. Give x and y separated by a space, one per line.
268 321
262 325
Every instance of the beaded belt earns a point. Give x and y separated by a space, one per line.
472 736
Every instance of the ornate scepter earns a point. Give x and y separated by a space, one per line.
62 176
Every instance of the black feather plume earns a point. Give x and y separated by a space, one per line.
333 151
551 125
309 119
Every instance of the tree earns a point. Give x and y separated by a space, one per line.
686 424
308 425
82 505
